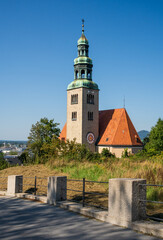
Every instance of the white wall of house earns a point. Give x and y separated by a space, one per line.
119 150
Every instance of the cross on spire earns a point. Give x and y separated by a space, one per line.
82 25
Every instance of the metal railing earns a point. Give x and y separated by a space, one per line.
151 201
3 183
84 195
35 187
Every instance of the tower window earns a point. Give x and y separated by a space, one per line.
90 99
74 116
90 116
74 99
82 73
82 52
76 74
89 75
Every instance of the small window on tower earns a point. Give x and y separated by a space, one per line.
74 99
74 116
76 74
89 75
82 74
90 99
90 116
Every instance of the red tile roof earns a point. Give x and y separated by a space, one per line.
116 128
63 133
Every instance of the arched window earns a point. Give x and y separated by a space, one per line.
82 73
77 74
89 75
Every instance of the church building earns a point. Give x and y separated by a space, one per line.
111 129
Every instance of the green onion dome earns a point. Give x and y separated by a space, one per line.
83 40
82 83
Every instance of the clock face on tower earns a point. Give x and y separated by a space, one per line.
90 138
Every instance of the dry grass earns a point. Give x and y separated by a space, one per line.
151 170
42 171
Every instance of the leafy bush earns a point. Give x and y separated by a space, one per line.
154 194
27 157
3 163
106 153
125 153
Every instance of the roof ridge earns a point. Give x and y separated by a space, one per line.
131 126
127 118
111 109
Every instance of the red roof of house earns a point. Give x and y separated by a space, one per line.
63 133
115 128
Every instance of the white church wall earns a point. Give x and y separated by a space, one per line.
119 150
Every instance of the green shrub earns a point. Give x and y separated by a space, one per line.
27 157
3 163
106 153
154 193
125 153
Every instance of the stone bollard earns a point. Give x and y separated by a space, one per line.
124 204
57 189
15 184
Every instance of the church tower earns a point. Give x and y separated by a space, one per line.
83 99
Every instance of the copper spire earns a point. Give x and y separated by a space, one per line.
83 26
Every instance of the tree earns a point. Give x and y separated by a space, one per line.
1 156
40 133
155 143
3 163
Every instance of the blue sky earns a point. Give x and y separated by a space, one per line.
38 43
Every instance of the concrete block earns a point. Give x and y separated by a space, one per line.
124 201
149 227
86 211
57 189
15 184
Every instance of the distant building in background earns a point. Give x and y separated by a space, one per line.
111 129
12 150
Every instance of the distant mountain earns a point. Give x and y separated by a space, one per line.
143 134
